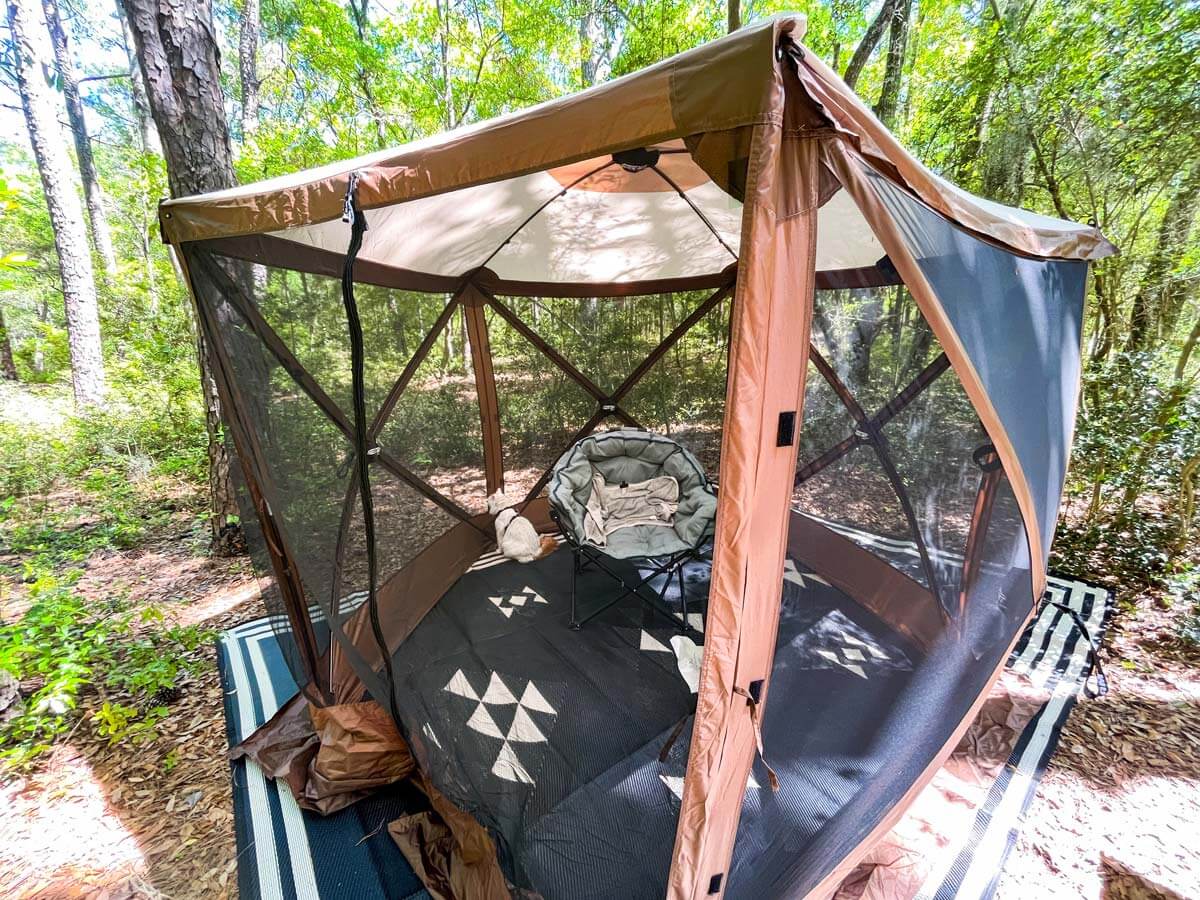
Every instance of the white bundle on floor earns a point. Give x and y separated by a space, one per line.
516 537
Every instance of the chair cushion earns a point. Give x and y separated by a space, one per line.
628 456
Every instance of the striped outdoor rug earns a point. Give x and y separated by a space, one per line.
284 852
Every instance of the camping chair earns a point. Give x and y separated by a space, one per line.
626 457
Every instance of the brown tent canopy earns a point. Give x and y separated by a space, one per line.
878 368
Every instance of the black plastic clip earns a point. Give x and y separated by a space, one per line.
350 210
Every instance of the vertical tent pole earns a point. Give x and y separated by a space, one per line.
473 303
771 318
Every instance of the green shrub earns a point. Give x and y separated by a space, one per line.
44 357
66 645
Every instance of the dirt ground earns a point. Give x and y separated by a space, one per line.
1117 816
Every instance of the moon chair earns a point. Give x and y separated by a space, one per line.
621 458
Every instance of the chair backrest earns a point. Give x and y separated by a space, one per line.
624 456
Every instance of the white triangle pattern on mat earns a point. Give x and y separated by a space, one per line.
481 720
835 657
674 784
509 603
795 576
508 767
533 699
522 730
459 685
650 642
498 692
870 648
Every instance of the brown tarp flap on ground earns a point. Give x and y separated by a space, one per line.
899 864
450 852
329 756
333 756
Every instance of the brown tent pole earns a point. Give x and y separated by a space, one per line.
890 410
981 520
671 340
485 388
547 350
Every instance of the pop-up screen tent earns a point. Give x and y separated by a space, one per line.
876 368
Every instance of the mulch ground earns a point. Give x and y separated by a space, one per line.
1117 815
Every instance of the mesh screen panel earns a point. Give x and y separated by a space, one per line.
541 407
548 736
866 688
1020 321
406 522
683 394
854 492
826 419
434 428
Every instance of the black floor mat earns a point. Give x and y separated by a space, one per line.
551 737
517 711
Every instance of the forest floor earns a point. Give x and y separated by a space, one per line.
1115 817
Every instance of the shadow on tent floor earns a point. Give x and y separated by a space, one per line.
552 737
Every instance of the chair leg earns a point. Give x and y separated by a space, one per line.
683 628
574 579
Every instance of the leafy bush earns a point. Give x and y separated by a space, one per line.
44 357
66 645
123 443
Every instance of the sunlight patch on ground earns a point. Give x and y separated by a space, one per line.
60 837
1079 840
218 602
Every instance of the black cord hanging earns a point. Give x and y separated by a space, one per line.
352 214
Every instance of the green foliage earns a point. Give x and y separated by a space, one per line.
66 645
43 357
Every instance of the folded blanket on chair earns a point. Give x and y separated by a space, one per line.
615 506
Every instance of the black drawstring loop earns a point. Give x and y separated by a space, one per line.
1094 666
362 447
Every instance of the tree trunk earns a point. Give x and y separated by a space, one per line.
587 55
92 195
869 42
179 64
8 367
1174 233
66 216
137 89
444 53
248 65
735 15
889 94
